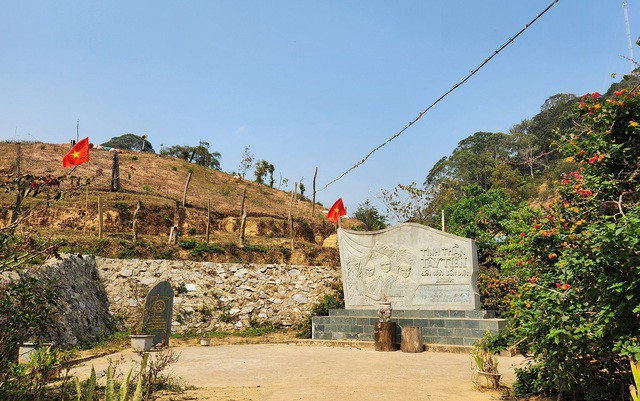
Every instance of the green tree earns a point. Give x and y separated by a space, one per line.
200 154
205 157
473 161
247 161
262 169
370 216
130 142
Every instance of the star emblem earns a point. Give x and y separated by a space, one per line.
75 155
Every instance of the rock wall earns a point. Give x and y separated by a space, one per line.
82 300
218 296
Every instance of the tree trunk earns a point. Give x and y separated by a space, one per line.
100 217
384 334
243 218
135 222
16 211
411 339
295 189
313 202
208 219
184 194
115 173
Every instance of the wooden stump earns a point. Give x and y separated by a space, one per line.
384 334
411 339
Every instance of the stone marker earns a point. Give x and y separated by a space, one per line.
416 267
158 312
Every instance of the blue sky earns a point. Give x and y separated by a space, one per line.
303 83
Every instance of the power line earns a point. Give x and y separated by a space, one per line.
397 134
626 21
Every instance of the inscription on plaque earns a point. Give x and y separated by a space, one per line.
415 266
158 313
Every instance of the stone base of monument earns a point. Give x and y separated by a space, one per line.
439 327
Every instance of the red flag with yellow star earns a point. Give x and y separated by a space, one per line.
78 154
336 211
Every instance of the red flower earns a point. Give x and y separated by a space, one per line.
595 95
558 285
522 234
565 286
593 159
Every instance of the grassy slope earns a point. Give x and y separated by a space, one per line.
158 181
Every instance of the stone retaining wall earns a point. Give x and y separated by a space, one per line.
220 296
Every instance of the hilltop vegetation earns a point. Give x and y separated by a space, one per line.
555 209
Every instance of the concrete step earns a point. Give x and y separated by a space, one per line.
460 331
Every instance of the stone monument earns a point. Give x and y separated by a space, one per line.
428 276
414 266
158 313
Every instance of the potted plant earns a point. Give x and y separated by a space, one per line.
486 368
206 315
140 341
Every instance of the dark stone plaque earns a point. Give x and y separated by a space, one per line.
158 312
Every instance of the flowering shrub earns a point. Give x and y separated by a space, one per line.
577 312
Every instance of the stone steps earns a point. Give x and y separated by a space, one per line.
453 327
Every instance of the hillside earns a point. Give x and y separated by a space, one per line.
158 182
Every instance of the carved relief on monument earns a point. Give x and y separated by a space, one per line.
414 266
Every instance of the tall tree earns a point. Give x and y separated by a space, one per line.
370 216
247 161
200 154
264 168
130 142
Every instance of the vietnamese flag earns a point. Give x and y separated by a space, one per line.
336 211
78 154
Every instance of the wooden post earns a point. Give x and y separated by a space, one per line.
208 219
16 211
411 339
295 189
100 218
313 202
384 334
115 173
184 194
86 208
135 221
442 219
243 218
173 234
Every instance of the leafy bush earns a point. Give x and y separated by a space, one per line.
577 313
27 313
332 300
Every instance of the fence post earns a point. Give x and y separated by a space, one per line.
208 218
100 220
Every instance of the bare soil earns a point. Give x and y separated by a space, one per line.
158 182
294 372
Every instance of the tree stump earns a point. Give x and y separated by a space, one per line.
384 334
411 339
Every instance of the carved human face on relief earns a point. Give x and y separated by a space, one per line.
405 270
385 264
369 269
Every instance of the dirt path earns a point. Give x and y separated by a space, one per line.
291 372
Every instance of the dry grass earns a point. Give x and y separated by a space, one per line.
158 182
